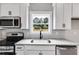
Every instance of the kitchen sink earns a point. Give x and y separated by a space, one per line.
40 41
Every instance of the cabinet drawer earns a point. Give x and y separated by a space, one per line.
19 48
40 47
32 52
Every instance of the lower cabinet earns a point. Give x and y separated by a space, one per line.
40 52
31 52
47 52
35 50
19 49
19 52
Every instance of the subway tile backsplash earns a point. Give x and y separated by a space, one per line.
28 35
72 35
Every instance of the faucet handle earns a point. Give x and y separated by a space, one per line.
32 41
49 41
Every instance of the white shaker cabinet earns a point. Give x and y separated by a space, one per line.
58 12
39 50
32 52
10 9
19 49
67 15
75 10
48 52
62 16
24 14
35 49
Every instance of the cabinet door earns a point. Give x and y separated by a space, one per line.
32 52
47 52
24 12
10 9
59 16
67 15
39 52
19 49
75 10
19 52
38 47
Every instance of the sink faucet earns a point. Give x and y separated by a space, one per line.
41 36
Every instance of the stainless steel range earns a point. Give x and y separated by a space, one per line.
7 46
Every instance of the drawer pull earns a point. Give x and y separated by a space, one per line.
49 41
19 47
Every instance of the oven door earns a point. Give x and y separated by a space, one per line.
7 50
6 22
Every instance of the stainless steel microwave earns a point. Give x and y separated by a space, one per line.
10 22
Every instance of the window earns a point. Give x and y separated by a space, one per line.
40 22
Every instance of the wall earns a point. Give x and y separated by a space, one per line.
72 35
28 35
40 6
54 34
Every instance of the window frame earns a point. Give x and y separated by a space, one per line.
46 13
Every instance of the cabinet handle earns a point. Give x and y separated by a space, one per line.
9 12
19 47
63 25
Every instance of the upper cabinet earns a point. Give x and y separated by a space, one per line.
24 14
67 15
62 18
10 9
75 10
58 16
16 9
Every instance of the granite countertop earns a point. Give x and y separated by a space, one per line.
49 42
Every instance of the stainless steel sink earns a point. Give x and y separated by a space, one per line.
40 41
